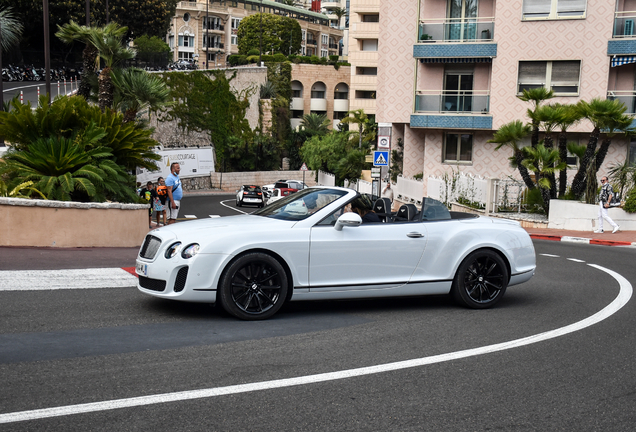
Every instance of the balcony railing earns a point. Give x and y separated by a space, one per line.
473 101
625 25
627 97
457 30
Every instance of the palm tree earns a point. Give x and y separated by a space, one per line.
510 135
549 117
108 42
10 28
614 126
543 161
71 32
315 124
137 90
568 115
535 96
366 130
339 12
602 113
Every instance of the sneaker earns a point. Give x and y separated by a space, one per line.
616 228
598 231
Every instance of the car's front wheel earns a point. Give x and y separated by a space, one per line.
481 280
253 287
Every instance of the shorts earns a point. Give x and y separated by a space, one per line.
172 212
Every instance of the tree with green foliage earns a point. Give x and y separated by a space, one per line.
10 28
334 152
339 12
137 90
205 102
366 132
536 96
568 116
75 168
397 159
69 117
314 124
280 34
544 162
510 135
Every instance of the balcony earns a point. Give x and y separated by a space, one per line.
454 38
297 104
627 97
624 35
452 110
341 105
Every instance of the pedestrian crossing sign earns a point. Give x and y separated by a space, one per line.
380 158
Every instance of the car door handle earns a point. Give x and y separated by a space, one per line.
415 235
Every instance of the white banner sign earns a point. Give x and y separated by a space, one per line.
194 162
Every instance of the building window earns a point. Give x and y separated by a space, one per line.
365 94
186 17
370 18
562 77
339 115
632 152
369 45
304 33
366 71
234 40
317 94
553 9
458 148
297 93
324 52
324 39
171 41
186 41
235 23
185 55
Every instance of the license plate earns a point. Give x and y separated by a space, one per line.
252 200
141 269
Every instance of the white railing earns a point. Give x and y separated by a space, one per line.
456 30
326 179
409 190
362 186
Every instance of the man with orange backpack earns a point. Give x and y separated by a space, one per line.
161 193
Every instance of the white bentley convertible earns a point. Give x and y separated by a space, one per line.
311 246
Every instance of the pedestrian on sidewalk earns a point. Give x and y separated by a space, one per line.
175 192
387 192
146 194
161 195
604 199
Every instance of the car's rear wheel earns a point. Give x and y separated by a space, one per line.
253 287
239 203
481 280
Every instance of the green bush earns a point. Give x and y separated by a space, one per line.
253 52
279 57
237 60
253 58
630 202
333 58
314 59
533 200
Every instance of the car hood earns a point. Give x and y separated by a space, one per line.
220 227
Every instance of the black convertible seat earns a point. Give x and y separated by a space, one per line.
382 208
406 212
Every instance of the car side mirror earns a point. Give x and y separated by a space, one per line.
350 219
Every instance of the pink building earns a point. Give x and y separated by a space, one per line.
449 72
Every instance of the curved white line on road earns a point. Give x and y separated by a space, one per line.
230 207
623 297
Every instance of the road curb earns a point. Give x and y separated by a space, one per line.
585 240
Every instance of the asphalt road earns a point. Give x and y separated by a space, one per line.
29 90
68 347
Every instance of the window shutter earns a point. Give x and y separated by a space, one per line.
532 72
571 7
536 7
565 73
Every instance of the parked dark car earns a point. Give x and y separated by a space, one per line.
249 194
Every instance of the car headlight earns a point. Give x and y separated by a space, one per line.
172 250
190 251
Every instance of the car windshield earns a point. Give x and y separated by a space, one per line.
252 188
300 205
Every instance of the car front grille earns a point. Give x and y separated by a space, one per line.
150 247
180 280
152 284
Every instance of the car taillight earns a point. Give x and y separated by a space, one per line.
245 193
258 193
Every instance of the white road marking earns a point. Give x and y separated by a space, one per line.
621 300
575 239
550 255
214 216
34 280
575 260
190 217
230 207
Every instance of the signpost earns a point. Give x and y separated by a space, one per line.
303 169
381 158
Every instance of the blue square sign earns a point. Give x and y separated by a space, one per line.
381 158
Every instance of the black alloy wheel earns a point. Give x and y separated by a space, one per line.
481 280
253 287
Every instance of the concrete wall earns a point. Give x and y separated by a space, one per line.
230 182
577 216
70 224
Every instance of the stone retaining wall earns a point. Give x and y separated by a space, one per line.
230 182
25 222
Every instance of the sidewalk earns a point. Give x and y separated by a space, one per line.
621 238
